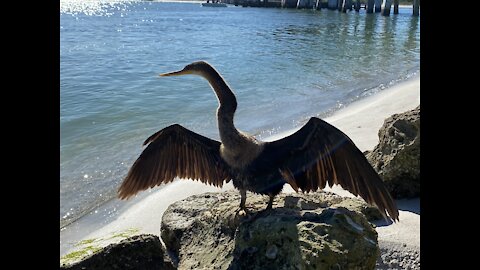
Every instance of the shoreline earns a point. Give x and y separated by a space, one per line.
360 120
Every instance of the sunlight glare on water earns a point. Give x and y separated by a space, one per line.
93 7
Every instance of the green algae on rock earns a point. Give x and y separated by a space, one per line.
136 252
88 247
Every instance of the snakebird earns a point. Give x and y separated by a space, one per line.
309 158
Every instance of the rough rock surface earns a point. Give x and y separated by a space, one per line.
314 231
137 252
397 157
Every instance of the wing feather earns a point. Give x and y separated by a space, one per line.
319 153
175 152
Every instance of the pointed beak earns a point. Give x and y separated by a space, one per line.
176 73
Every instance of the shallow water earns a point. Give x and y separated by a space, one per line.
285 65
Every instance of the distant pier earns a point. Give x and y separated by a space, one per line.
371 6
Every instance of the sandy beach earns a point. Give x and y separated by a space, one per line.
360 120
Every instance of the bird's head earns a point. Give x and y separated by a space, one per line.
196 68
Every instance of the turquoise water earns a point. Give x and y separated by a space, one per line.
285 65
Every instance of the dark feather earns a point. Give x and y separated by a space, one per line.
175 152
319 153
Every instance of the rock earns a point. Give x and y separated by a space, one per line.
137 252
397 157
304 231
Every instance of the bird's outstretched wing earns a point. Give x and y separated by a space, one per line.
175 152
319 153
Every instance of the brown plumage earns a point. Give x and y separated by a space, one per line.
310 158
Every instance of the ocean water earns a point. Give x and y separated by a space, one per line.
285 65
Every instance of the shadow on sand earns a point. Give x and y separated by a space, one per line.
408 205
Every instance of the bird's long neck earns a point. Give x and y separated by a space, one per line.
229 135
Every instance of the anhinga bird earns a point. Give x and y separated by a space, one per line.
314 155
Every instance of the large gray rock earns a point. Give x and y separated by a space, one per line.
315 231
397 157
139 252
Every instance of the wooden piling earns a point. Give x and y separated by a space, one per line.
289 3
304 4
300 4
321 4
357 5
332 4
387 7
395 6
370 4
416 7
378 6
347 6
